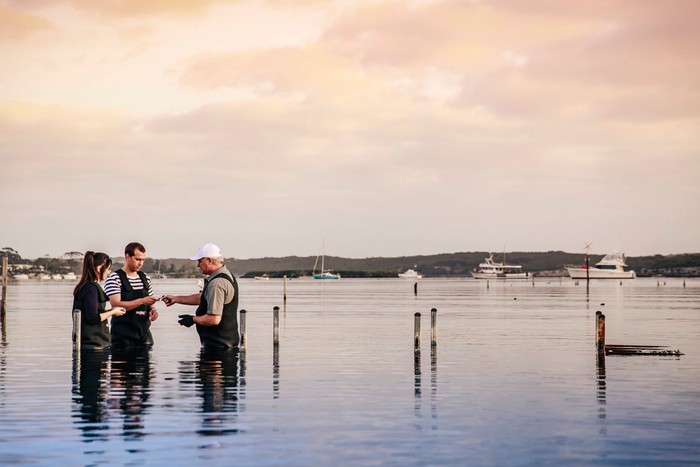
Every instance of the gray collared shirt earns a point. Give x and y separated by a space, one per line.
219 292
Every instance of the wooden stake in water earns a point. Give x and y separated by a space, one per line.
285 288
244 332
433 327
5 273
415 288
276 326
416 333
76 329
600 332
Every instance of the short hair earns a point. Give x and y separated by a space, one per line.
132 247
218 260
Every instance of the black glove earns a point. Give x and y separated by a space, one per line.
186 320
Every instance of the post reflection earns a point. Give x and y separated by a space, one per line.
3 356
217 382
275 371
433 381
417 403
90 391
130 380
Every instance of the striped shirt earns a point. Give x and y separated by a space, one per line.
113 285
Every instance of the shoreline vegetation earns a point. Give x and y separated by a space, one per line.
540 264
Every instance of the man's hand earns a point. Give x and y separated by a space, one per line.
186 320
150 300
154 314
169 300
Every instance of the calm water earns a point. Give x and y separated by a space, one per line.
514 380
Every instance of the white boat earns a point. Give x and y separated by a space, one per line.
410 274
264 277
21 277
70 276
324 274
612 266
490 269
56 277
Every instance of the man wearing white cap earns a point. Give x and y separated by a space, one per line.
217 303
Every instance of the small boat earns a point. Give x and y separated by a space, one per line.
20 277
70 276
612 266
264 277
56 277
410 274
324 274
490 269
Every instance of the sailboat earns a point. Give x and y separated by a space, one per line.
324 274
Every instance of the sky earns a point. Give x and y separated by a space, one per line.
355 128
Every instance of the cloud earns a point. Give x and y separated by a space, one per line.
16 25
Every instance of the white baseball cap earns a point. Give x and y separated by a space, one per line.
208 250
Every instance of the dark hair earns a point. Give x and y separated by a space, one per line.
132 247
91 262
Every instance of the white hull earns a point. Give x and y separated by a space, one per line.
327 275
410 274
594 273
612 266
490 269
490 275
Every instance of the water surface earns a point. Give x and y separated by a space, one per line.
514 378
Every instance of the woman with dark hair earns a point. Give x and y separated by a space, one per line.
90 299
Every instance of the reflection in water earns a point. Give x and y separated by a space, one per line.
3 356
275 371
417 388
602 386
217 380
130 380
433 382
90 393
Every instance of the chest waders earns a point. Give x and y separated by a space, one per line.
132 328
225 334
94 336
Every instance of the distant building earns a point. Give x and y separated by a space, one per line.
72 256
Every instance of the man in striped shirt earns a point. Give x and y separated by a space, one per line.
130 288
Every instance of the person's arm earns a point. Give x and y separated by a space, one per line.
90 308
116 300
113 287
207 320
171 300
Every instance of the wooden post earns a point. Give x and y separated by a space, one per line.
433 327
588 272
600 332
415 288
5 273
276 326
416 333
487 284
77 314
285 288
244 332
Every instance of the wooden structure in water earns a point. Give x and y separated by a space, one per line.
604 349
